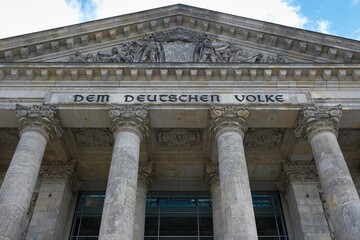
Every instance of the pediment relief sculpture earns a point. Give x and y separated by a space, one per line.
178 45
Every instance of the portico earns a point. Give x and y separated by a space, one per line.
124 129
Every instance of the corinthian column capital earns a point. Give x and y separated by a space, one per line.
130 117
146 173
314 119
41 118
61 171
229 117
211 174
297 171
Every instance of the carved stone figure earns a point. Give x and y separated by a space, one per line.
178 45
152 52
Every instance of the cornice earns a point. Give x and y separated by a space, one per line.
301 42
301 75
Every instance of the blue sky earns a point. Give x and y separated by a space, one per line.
335 17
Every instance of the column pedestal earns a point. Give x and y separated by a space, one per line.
37 124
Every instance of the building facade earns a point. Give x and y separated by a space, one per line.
179 123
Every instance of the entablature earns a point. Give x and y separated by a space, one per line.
312 76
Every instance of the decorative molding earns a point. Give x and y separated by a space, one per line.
304 75
146 173
314 119
349 139
9 137
42 118
297 171
61 172
130 117
93 138
178 45
225 118
180 138
263 138
211 174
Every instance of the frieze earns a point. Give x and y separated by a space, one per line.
178 45
180 138
91 138
263 138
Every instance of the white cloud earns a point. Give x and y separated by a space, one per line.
276 11
323 26
35 15
354 2
20 17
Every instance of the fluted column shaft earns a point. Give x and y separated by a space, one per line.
228 127
320 124
129 125
37 125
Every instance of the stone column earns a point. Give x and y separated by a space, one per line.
227 125
320 125
211 176
145 179
129 126
37 126
60 180
299 181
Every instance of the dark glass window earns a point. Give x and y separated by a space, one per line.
87 218
178 216
269 216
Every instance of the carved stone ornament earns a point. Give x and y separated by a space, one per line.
93 138
178 45
263 138
211 174
229 117
297 171
146 173
61 172
314 119
39 118
174 139
9 137
130 117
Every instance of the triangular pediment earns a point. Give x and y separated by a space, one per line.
179 33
